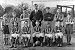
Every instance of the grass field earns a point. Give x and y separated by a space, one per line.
65 46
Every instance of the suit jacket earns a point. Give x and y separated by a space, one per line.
36 15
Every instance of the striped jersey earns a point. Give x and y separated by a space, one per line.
47 30
59 17
59 28
26 29
37 29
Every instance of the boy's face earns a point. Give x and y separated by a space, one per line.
14 14
69 13
36 7
47 10
58 10
47 25
25 23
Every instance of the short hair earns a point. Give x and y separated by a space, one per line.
14 10
35 4
26 21
47 7
58 8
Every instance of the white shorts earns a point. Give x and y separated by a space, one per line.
57 23
26 35
35 34
14 35
41 34
60 34
49 35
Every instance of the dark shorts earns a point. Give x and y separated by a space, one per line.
25 39
59 20
6 32
13 40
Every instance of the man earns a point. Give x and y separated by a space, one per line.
36 15
48 16
69 23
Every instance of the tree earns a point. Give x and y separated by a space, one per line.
22 6
41 6
9 8
1 11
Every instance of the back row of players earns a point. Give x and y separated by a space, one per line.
48 35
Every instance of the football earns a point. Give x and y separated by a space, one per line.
37 42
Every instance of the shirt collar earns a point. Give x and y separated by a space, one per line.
36 10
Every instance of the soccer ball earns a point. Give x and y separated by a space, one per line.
37 42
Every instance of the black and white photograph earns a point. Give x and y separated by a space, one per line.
37 24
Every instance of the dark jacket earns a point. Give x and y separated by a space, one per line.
36 16
6 29
48 17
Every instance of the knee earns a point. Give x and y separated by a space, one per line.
61 36
56 36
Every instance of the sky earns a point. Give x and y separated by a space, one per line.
50 3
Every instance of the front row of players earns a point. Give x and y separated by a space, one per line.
47 36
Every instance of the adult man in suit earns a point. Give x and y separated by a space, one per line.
36 15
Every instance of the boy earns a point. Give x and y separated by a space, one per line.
36 15
48 35
59 16
26 34
6 32
37 35
14 39
59 35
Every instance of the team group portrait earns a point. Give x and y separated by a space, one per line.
37 25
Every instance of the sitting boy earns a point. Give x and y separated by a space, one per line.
38 36
14 39
48 35
25 34
59 35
